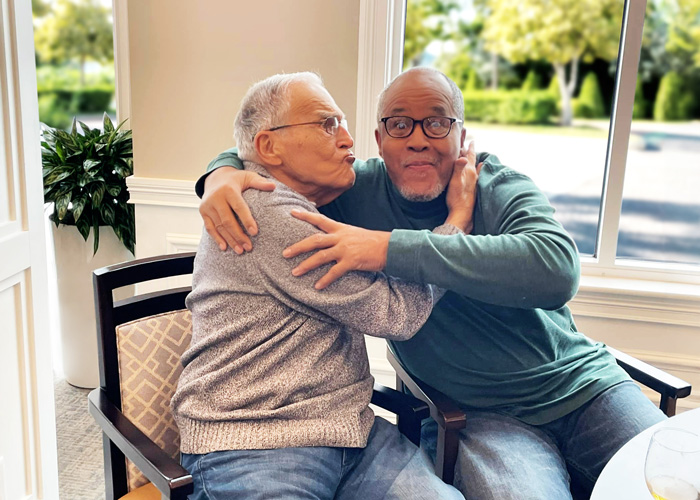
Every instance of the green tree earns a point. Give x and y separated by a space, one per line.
76 30
561 32
40 8
425 22
684 32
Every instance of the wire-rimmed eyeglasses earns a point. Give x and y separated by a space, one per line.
435 127
330 125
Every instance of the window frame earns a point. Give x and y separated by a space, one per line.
380 55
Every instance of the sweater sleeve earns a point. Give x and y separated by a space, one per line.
368 302
228 158
525 259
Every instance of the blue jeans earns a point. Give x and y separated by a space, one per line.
389 467
502 458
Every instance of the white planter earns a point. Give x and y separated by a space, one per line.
76 307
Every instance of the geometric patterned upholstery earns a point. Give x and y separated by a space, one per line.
149 368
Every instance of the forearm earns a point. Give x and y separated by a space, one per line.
228 158
524 271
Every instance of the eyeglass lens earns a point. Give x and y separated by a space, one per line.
433 126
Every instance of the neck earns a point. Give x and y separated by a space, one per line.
319 196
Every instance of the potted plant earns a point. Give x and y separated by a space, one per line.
85 180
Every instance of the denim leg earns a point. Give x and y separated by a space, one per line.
391 467
591 435
501 458
289 473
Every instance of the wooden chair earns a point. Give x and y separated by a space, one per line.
141 340
451 419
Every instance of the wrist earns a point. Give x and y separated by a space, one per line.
382 249
458 220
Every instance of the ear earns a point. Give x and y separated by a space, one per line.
267 148
378 138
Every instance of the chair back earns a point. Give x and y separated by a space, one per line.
141 340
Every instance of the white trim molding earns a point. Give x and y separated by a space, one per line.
162 192
379 59
122 72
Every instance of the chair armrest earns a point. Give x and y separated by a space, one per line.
658 380
443 409
171 479
404 405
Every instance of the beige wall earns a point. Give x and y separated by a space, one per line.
192 61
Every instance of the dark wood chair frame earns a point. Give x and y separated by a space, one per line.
451 419
121 438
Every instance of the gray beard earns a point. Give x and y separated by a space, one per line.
409 195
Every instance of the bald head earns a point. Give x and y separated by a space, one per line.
424 76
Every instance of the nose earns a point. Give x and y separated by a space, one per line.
417 141
343 137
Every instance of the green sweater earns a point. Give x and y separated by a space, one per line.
502 337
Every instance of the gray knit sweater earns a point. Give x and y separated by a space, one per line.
273 362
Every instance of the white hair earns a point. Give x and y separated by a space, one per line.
456 93
264 106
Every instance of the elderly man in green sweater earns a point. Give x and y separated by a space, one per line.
546 407
273 400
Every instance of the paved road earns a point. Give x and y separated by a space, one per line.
661 209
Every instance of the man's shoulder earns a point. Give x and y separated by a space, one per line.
495 174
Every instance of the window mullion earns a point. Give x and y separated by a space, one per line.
620 125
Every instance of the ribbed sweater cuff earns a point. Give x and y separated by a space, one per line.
198 437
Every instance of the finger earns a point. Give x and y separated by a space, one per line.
315 242
315 261
471 154
320 221
211 230
334 273
478 168
260 183
242 210
232 232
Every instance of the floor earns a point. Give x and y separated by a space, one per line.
80 474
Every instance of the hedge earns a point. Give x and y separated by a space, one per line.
86 100
509 106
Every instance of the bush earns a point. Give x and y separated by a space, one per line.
86 100
532 81
590 100
473 81
641 105
509 107
54 113
673 101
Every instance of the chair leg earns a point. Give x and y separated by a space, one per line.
446 456
668 405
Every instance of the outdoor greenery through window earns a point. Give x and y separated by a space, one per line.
75 61
539 80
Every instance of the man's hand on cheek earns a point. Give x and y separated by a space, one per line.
461 192
351 248
223 205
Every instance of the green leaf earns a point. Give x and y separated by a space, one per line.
107 213
114 190
78 206
86 129
74 127
97 195
62 205
60 152
90 164
96 235
83 227
107 124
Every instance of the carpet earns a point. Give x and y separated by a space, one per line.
79 441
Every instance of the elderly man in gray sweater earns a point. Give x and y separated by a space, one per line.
274 398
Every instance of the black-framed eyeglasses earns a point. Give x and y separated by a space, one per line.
435 127
330 125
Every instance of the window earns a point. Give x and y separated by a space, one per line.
623 187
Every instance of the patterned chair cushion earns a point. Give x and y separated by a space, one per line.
149 368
